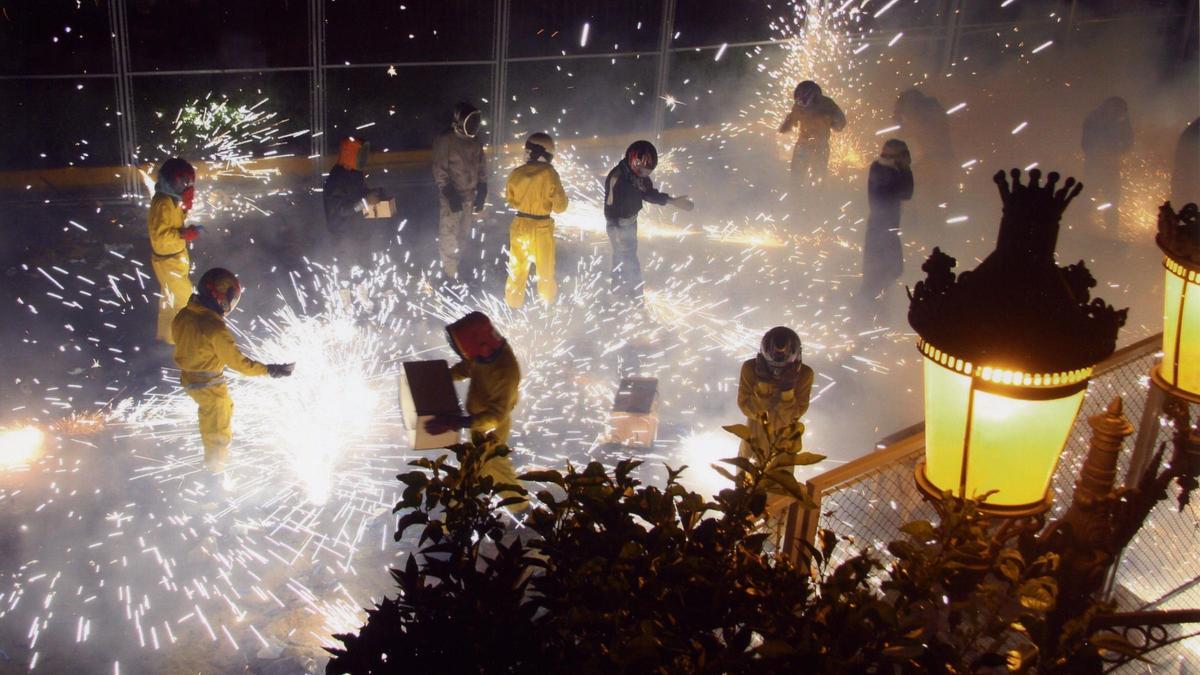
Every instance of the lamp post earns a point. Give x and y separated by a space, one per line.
1179 239
1008 350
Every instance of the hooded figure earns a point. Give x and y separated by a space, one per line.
1185 177
495 378
346 193
926 126
535 191
1107 135
775 383
204 348
889 183
460 171
173 194
626 188
817 116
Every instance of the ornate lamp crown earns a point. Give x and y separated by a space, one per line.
1018 309
1179 234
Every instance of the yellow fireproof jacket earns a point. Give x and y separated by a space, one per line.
757 396
166 225
169 261
204 345
536 189
492 394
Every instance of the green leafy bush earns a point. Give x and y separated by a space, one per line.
608 575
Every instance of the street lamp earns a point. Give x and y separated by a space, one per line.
1008 349
1179 239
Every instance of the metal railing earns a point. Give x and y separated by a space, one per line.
867 500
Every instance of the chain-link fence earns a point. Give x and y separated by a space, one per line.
865 502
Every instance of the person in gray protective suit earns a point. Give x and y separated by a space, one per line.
460 171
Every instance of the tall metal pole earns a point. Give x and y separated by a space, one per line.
316 84
499 75
118 25
953 34
664 65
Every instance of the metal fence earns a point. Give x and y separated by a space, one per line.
342 50
866 501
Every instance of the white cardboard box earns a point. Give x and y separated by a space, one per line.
634 416
385 208
426 391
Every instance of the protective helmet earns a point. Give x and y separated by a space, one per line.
474 338
896 149
806 92
177 175
539 145
908 104
352 154
642 157
780 348
220 289
466 119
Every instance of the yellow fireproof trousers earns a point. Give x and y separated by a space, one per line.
216 423
172 274
530 242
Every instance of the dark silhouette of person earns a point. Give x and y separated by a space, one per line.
926 128
889 183
1107 135
1185 175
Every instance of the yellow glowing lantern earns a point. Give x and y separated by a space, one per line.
1008 349
1179 239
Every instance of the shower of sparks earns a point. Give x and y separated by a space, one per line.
817 43
140 561
235 149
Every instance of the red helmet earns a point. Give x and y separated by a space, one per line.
474 338
352 153
220 288
642 157
177 175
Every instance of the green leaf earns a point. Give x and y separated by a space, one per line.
807 458
414 478
921 530
740 462
410 519
740 430
787 481
1037 595
721 470
903 652
549 476
772 649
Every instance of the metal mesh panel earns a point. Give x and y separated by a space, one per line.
1160 569
869 510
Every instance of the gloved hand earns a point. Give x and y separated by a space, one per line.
190 232
453 199
480 197
440 424
682 203
280 369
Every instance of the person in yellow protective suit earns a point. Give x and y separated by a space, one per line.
534 191
204 348
489 363
775 383
173 194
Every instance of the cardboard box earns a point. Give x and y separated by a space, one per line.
634 417
384 208
426 391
